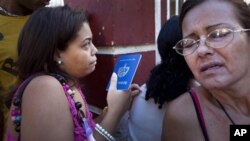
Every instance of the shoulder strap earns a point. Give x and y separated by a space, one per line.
199 114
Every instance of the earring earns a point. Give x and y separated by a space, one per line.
59 62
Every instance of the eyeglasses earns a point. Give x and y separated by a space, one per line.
218 38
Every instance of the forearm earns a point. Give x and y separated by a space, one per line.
109 123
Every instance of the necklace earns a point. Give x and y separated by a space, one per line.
7 13
224 110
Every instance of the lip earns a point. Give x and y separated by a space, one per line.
93 63
210 66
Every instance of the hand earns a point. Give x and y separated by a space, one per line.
119 100
134 89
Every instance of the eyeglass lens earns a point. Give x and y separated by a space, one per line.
218 38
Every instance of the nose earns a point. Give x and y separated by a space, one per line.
203 48
94 49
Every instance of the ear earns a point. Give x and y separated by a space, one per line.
57 56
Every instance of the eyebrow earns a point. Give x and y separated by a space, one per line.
192 34
86 39
216 25
207 28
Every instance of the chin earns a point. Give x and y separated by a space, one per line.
87 73
216 84
92 69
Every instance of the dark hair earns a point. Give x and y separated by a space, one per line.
242 10
170 78
47 31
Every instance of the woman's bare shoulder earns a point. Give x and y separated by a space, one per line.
45 105
183 107
179 119
45 89
180 107
44 80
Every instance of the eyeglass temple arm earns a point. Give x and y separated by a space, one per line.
241 30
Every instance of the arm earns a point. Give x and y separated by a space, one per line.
45 112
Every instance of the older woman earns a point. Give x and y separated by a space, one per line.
216 47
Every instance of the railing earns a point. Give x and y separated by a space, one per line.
173 5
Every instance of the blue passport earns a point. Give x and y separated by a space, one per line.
125 68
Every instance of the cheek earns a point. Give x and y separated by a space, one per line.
193 65
81 61
84 60
241 61
76 61
81 66
239 52
190 62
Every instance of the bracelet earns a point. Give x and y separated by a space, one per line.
104 133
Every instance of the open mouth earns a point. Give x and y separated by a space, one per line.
93 63
211 66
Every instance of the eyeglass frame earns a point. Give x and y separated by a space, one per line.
196 42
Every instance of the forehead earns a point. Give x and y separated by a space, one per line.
208 14
85 30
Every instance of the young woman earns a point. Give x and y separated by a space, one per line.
55 50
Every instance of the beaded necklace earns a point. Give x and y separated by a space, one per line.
81 116
7 13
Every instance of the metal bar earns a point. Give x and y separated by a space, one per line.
157 26
176 7
168 9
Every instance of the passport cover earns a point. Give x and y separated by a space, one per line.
125 68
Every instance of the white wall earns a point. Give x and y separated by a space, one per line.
56 3
247 1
